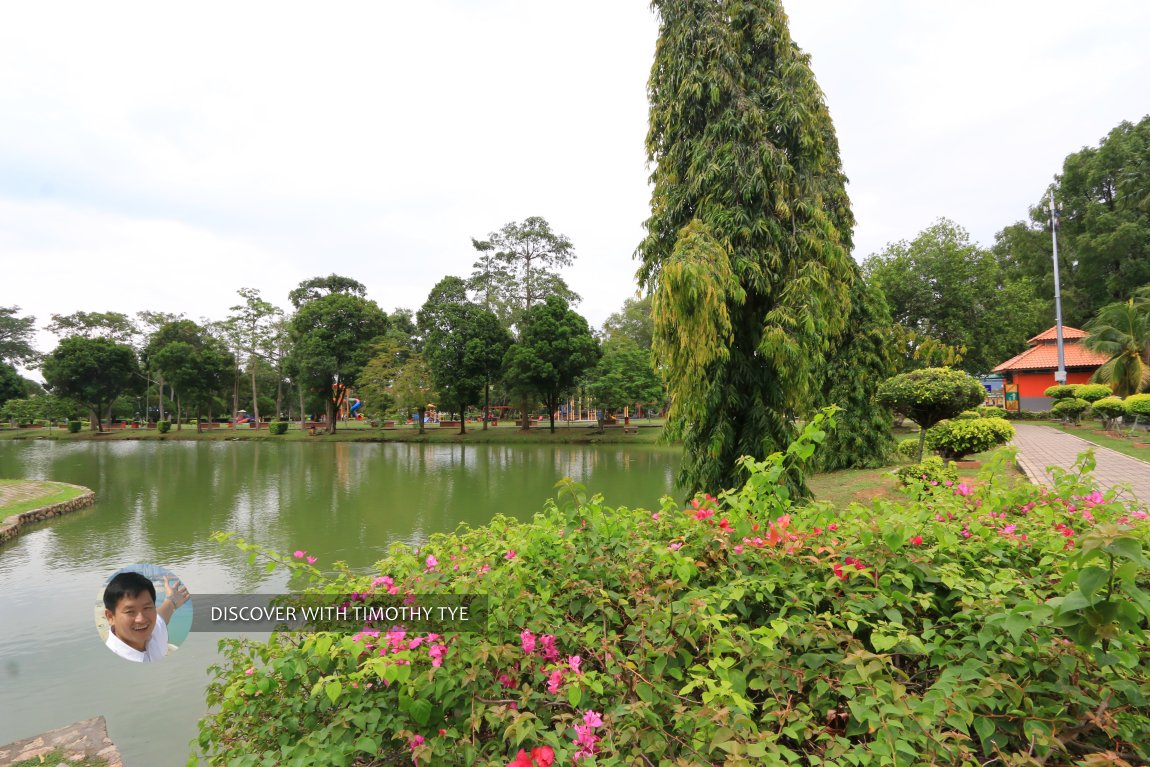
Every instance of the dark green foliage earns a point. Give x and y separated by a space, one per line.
163 426
75 426
864 359
277 427
631 323
554 348
463 346
1104 226
955 439
334 332
16 335
114 326
989 411
1122 331
92 371
908 448
943 286
193 362
930 395
11 384
624 376
747 246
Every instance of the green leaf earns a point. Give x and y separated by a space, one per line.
575 694
1091 579
420 711
333 690
1127 548
367 744
984 727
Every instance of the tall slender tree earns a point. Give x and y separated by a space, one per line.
747 247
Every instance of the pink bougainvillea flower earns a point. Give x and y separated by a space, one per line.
655 516
554 681
527 640
311 560
574 662
592 719
299 553
963 490
838 570
724 525
916 540
251 670
739 549
510 555
505 681
521 760
431 562
674 546
437 653
544 756
550 652
416 742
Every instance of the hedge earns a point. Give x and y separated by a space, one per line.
956 439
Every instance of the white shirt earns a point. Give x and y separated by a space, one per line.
155 649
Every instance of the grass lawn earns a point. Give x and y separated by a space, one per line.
20 495
841 488
58 758
648 432
1113 440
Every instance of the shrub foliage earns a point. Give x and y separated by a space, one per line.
999 623
958 438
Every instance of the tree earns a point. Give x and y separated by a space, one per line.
862 438
333 334
11 384
254 327
624 376
463 345
16 337
930 395
747 247
632 323
92 371
1103 225
942 286
521 262
194 362
318 287
1122 330
414 387
554 348
114 326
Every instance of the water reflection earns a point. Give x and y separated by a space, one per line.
160 502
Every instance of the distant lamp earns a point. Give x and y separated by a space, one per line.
1060 374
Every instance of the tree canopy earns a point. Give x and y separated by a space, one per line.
747 247
92 371
1122 330
16 337
930 395
193 362
115 326
942 286
624 376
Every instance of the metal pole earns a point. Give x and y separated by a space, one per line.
1060 374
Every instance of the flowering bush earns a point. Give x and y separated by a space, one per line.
990 623
927 473
956 439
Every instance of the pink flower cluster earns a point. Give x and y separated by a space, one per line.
300 554
544 646
585 737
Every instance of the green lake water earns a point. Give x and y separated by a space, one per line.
159 503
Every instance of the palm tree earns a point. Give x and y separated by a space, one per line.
1122 330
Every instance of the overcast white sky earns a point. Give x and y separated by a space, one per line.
161 156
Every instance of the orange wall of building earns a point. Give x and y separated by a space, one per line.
1035 384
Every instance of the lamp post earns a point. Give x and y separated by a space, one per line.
1060 374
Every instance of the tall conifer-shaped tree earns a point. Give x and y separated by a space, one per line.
748 244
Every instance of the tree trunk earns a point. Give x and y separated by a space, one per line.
236 394
279 397
422 416
302 412
329 411
179 413
552 404
921 442
199 421
161 382
486 404
94 417
462 419
526 405
255 396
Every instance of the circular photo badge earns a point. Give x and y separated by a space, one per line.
143 612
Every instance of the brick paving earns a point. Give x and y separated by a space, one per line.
1041 446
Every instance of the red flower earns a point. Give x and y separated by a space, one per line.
916 541
521 760
544 756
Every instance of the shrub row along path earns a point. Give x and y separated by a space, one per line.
1040 447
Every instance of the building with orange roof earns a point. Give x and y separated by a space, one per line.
1032 371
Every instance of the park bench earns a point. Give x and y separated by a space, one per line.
630 429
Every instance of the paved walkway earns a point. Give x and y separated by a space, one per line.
1042 446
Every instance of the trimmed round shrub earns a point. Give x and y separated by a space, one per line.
1109 408
1137 405
277 427
1093 392
908 448
1061 391
75 426
163 426
1071 408
956 439
967 415
990 411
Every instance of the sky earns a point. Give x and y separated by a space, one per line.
162 156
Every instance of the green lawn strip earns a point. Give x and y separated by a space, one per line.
842 488
54 492
1112 440
648 432
57 758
